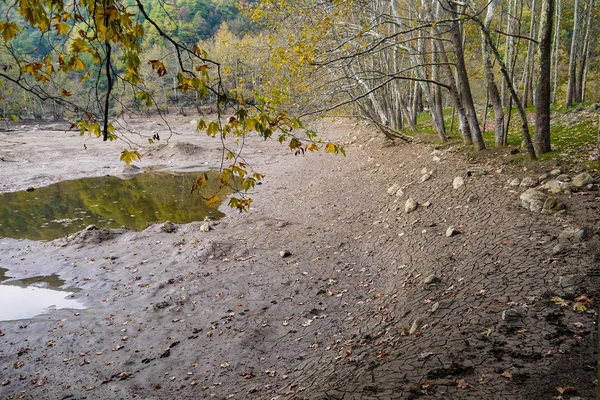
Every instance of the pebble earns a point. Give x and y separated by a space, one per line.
285 253
410 206
452 231
169 227
458 182
555 172
433 278
205 227
528 182
392 190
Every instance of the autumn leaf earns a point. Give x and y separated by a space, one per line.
506 374
461 383
128 156
559 301
566 389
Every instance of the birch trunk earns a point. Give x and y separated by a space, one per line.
555 59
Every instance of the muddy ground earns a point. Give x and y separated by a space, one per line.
372 302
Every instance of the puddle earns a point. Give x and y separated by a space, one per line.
26 298
66 207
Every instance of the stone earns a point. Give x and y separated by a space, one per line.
533 200
205 227
515 182
285 253
582 180
427 204
91 228
452 231
528 182
558 249
458 182
436 159
572 234
553 187
30 189
435 306
392 190
552 205
542 177
555 172
511 315
169 227
433 278
194 122
399 193
425 177
410 205
423 171
563 178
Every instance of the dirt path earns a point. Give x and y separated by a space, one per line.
372 303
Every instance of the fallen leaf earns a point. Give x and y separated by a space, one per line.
566 389
193 383
157 386
18 364
5 382
558 301
224 365
118 347
506 374
461 383
578 325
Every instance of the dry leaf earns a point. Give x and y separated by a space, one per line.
558 301
566 389
461 383
506 374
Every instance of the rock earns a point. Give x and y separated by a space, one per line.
436 159
558 249
91 228
528 182
205 227
130 169
169 227
582 180
542 177
458 182
285 253
425 177
435 306
515 182
433 278
423 171
410 206
552 205
452 231
30 189
555 172
563 178
194 122
553 186
399 193
392 190
533 200
511 315
572 234
427 204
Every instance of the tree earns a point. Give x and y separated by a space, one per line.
543 95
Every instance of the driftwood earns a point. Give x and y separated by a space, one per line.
393 134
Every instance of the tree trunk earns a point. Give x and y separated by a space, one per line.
544 87
573 58
528 79
463 80
585 46
494 95
555 59
512 90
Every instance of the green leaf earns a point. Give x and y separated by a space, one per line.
213 129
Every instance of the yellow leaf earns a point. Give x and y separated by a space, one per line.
128 156
9 30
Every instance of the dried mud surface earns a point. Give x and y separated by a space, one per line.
348 315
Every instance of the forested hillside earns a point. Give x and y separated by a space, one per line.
472 67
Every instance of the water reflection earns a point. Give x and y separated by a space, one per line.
108 202
21 300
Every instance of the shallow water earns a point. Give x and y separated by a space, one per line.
66 207
26 298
